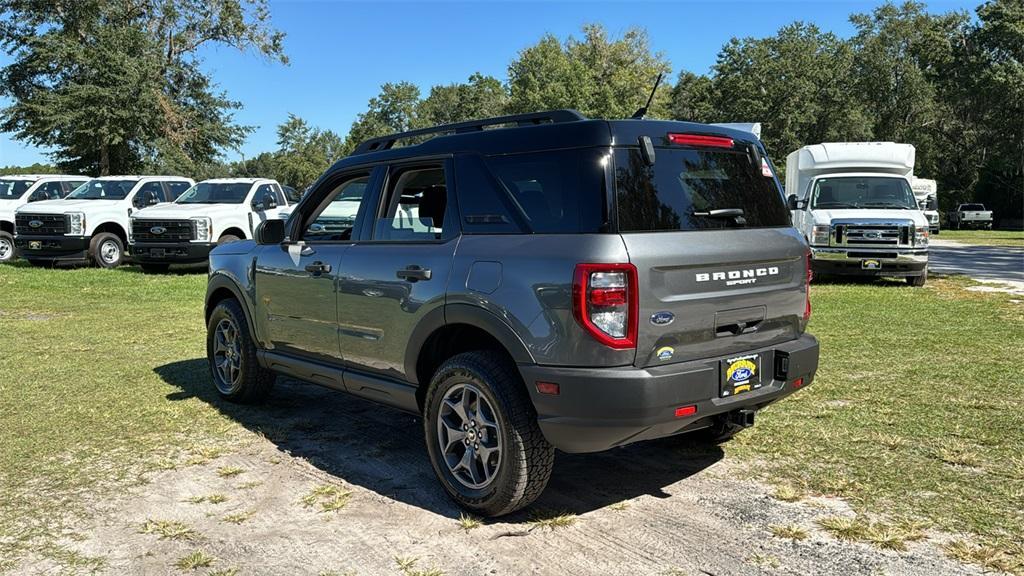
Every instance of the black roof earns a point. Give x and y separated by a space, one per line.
550 130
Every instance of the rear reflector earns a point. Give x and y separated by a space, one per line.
548 388
684 411
701 140
798 382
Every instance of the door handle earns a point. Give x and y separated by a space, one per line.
414 273
317 268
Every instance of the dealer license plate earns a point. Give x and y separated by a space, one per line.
156 252
35 245
740 374
870 265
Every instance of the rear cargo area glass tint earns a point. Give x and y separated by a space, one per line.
665 196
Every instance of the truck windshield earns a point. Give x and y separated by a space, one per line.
684 187
216 193
863 192
13 189
103 190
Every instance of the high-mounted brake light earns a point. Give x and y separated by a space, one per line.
701 140
605 303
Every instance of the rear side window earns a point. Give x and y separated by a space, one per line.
559 192
683 183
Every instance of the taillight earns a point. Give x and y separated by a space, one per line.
605 303
807 297
701 140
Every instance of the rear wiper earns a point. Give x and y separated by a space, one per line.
735 213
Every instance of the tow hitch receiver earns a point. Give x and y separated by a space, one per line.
741 418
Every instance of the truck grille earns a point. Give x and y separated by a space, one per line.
162 230
872 235
40 224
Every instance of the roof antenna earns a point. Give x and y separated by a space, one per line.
642 112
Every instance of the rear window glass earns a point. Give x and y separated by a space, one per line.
558 191
683 183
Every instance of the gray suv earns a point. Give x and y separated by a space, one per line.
528 283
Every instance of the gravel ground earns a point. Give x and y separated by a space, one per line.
666 507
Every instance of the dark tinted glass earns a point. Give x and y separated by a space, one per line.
486 208
13 189
558 191
665 196
973 207
175 189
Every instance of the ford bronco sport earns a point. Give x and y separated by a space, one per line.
528 283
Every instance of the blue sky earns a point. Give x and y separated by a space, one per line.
341 51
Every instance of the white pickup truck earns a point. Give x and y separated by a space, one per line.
970 216
854 204
92 223
210 213
21 189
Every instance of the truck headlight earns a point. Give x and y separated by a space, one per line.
921 236
820 234
76 224
203 226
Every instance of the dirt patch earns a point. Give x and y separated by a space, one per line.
329 483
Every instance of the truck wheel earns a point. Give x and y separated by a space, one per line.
231 353
227 238
6 247
918 281
155 268
482 435
107 250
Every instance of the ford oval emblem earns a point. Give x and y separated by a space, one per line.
742 374
158 229
662 318
36 223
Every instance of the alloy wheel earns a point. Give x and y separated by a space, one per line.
469 436
227 355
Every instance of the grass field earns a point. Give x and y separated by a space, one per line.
985 237
916 417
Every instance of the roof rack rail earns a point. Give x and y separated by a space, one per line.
533 118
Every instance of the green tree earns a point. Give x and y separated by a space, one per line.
797 83
303 152
114 85
481 97
693 98
393 110
35 168
599 76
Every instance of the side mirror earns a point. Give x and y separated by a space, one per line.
268 202
151 199
794 203
270 232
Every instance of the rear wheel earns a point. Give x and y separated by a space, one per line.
231 354
918 281
6 247
107 250
482 435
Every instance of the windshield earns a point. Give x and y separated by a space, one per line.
215 193
103 190
13 189
863 192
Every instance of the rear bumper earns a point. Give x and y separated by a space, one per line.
849 261
600 408
60 249
171 252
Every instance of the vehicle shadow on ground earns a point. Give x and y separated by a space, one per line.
382 449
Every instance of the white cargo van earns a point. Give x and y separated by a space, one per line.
927 194
854 203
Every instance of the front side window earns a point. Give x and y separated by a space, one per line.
149 194
104 190
11 189
215 193
684 186
863 192
336 215
49 191
415 206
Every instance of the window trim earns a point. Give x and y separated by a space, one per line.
451 210
298 221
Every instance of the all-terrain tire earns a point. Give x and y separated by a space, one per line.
226 238
918 281
6 247
251 382
526 458
106 250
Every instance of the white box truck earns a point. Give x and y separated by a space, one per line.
854 203
927 193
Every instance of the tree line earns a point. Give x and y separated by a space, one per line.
952 84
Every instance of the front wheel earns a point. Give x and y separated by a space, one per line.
482 435
107 250
231 354
6 247
918 281
227 238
